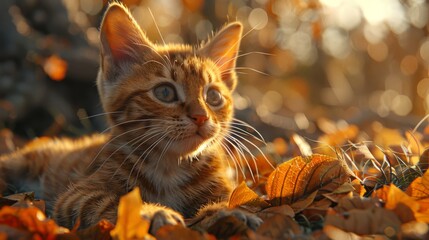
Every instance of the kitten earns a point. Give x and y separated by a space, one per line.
169 108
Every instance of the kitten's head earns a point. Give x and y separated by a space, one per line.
176 97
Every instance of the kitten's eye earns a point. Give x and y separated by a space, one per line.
214 97
165 93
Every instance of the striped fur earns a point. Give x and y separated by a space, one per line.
171 150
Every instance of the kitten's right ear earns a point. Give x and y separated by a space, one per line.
121 37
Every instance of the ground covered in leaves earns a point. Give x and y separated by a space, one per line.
346 184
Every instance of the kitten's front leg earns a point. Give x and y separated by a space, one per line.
159 216
210 214
90 204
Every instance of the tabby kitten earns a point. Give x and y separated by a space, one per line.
169 108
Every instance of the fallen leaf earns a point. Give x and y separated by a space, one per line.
303 203
344 190
178 232
300 177
415 230
130 224
317 208
369 221
31 220
392 195
227 226
279 227
336 233
277 210
417 189
349 203
243 196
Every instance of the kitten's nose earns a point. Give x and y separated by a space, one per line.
199 119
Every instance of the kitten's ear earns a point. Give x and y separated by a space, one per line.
121 37
223 49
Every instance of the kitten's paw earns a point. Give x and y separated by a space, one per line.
251 220
160 216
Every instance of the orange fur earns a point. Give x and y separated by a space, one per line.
171 150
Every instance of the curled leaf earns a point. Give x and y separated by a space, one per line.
130 224
245 197
300 177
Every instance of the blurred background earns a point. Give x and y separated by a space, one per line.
305 66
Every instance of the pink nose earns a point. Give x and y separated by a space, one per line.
199 120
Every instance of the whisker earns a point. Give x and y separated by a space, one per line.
101 114
257 148
133 141
232 156
239 122
244 68
241 154
244 54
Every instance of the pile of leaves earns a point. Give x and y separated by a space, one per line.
338 187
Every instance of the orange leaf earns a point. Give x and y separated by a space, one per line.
417 189
32 220
247 198
130 225
299 177
396 196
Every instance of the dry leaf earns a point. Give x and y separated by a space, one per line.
303 203
365 222
279 227
31 220
277 210
243 196
358 186
336 233
130 224
227 226
415 230
299 177
178 232
344 190
419 188
317 208
392 195
346 204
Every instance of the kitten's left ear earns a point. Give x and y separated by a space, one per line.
223 49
